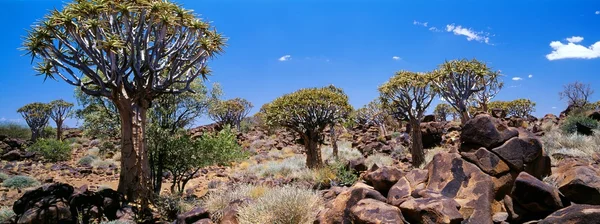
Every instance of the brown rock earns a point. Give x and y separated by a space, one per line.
431 210
339 212
581 185
416 177
486 131
382 179
192 216
574 214
536 197
369 211
456 178
399 193
489 162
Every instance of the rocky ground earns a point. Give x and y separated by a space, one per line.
490 170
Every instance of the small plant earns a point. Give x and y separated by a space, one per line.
396 134
87 160
106 146
51 149
94 151
344 176
6 214
215 202
285 204
380 159
103 164
570 124
172 205
3 176
19 182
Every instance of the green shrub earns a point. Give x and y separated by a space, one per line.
94 151
49 132
101 163
106 146
170 206
87 160
344 176
52 150
570 124
6 214
15 130
18 182
285 204
3 176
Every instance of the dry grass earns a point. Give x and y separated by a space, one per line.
282 205
557 143
345 152
216 201
380 159
430 153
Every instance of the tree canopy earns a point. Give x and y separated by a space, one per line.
230 112
60 110
36 115
576 94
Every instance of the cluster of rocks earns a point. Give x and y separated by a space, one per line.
495 178
13 149
61 203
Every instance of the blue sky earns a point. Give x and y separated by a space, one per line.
277 47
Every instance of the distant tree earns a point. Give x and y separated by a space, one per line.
99 115
372 114
442 111
230 112
308 112
60 111
131 52
521 108
36 115
491 87
457 80
410 93
576 94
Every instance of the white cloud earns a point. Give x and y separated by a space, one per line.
285 58
530 76
420 23
434 29
396 58
597 12
469 33
517 78
575 39
553 107
573 50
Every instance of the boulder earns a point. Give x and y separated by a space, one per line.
432 133
399 193
581 185
369 211
382 179
431 210
525 153
486 131
453 177
13 155
489 162
338 210
357 165
47 210
536 197
429 118
193 216
574 214
498 113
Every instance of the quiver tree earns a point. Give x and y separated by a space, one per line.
131 52
308 112
410 94
230 112
576 94
372 114
60 111
483 97
36 115
457 80
442 111
521 108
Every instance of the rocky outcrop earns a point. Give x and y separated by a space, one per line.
574 214
369 210
61 203
532 199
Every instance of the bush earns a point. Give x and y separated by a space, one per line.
49 132
6 214
52 150
344 176
15 130
106 146
3 176
18 182
170 206
216 201
87 160
100 163
380 159
570 124
282 205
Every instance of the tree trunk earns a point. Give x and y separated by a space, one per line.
35 134
313 153
416 150
464 117
59 130
484 107
333 138
135 165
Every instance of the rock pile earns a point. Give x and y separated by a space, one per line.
12 149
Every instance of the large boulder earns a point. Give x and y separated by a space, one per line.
13 155
400 192
455 178
574 214
489 162
46 204
339 209
537 196
485 131
383 178
192 216
579 183
369 211
432 210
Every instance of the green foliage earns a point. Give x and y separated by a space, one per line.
285 204
230 112
442 111
3 176
371 114
99 115
14 130
87 160
6 214
48 132
19 182
52 150
407 95
59 112
570 124
521 108
344 176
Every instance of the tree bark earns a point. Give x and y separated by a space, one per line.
135 165
416 150
464 117
333 138
59 130
313 153
35 134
